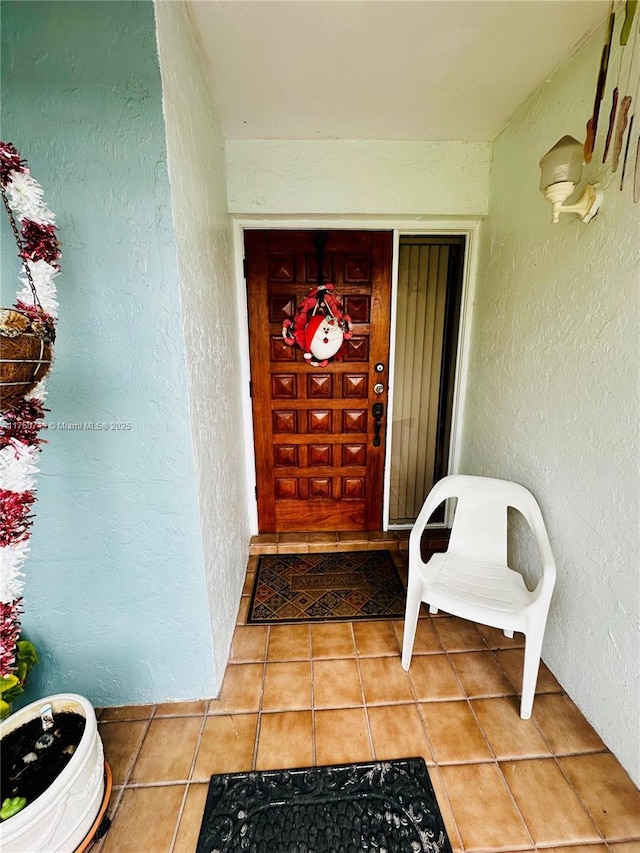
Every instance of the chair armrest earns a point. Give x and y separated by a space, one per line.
439 493
547 580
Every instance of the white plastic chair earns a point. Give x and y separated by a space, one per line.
472 578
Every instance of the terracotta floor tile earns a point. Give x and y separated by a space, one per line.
291 538
265 539
563 726
287 686
382 536
189 827
293 543
495 638
508 735
322 536
459 635
480 674
285 740
255 550
182 709
243 611
127 712
570 809
397 732
249 644
375 638
167 750
323 543
426 640
550 808
341 736
454 733
289 642
511 662
145 820
445 810
353 546
336 684
332 640
611 797
433 678
384 681
241 689
323 548
226 746
248 583
122 742
483 808
350 540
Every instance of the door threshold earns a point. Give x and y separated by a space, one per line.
319 543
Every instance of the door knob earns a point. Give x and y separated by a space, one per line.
378 388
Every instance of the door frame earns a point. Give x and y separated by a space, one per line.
467 227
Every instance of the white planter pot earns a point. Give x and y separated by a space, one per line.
59 819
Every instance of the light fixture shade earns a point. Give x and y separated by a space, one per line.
563 162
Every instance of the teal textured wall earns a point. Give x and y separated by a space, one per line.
115 594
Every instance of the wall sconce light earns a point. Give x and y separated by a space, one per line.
561 170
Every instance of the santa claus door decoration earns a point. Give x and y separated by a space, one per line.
320 326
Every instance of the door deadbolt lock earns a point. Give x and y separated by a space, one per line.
377 410
378 388
379 368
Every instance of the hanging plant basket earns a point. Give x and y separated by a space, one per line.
26 352
27 329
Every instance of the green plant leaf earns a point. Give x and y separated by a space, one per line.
10 688
27 653
11 806
7 682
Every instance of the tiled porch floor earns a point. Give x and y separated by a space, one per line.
298 695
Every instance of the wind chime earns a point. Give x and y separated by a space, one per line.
621 117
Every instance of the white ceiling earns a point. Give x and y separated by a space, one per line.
383 69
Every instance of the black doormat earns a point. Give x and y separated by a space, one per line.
339 586
388 805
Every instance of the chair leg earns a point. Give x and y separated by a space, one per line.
532 651
410 621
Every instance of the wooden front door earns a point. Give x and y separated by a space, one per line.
319 449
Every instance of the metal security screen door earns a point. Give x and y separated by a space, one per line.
428 316
319 432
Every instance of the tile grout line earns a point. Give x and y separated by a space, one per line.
579 798
314 744
176 828
111 812
260 700
362 693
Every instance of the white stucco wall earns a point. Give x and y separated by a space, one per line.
552 397
357 177
207 290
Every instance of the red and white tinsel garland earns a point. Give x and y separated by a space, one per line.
20 426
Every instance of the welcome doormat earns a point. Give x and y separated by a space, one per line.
388 805
339 586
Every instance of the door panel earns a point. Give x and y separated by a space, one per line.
317 467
